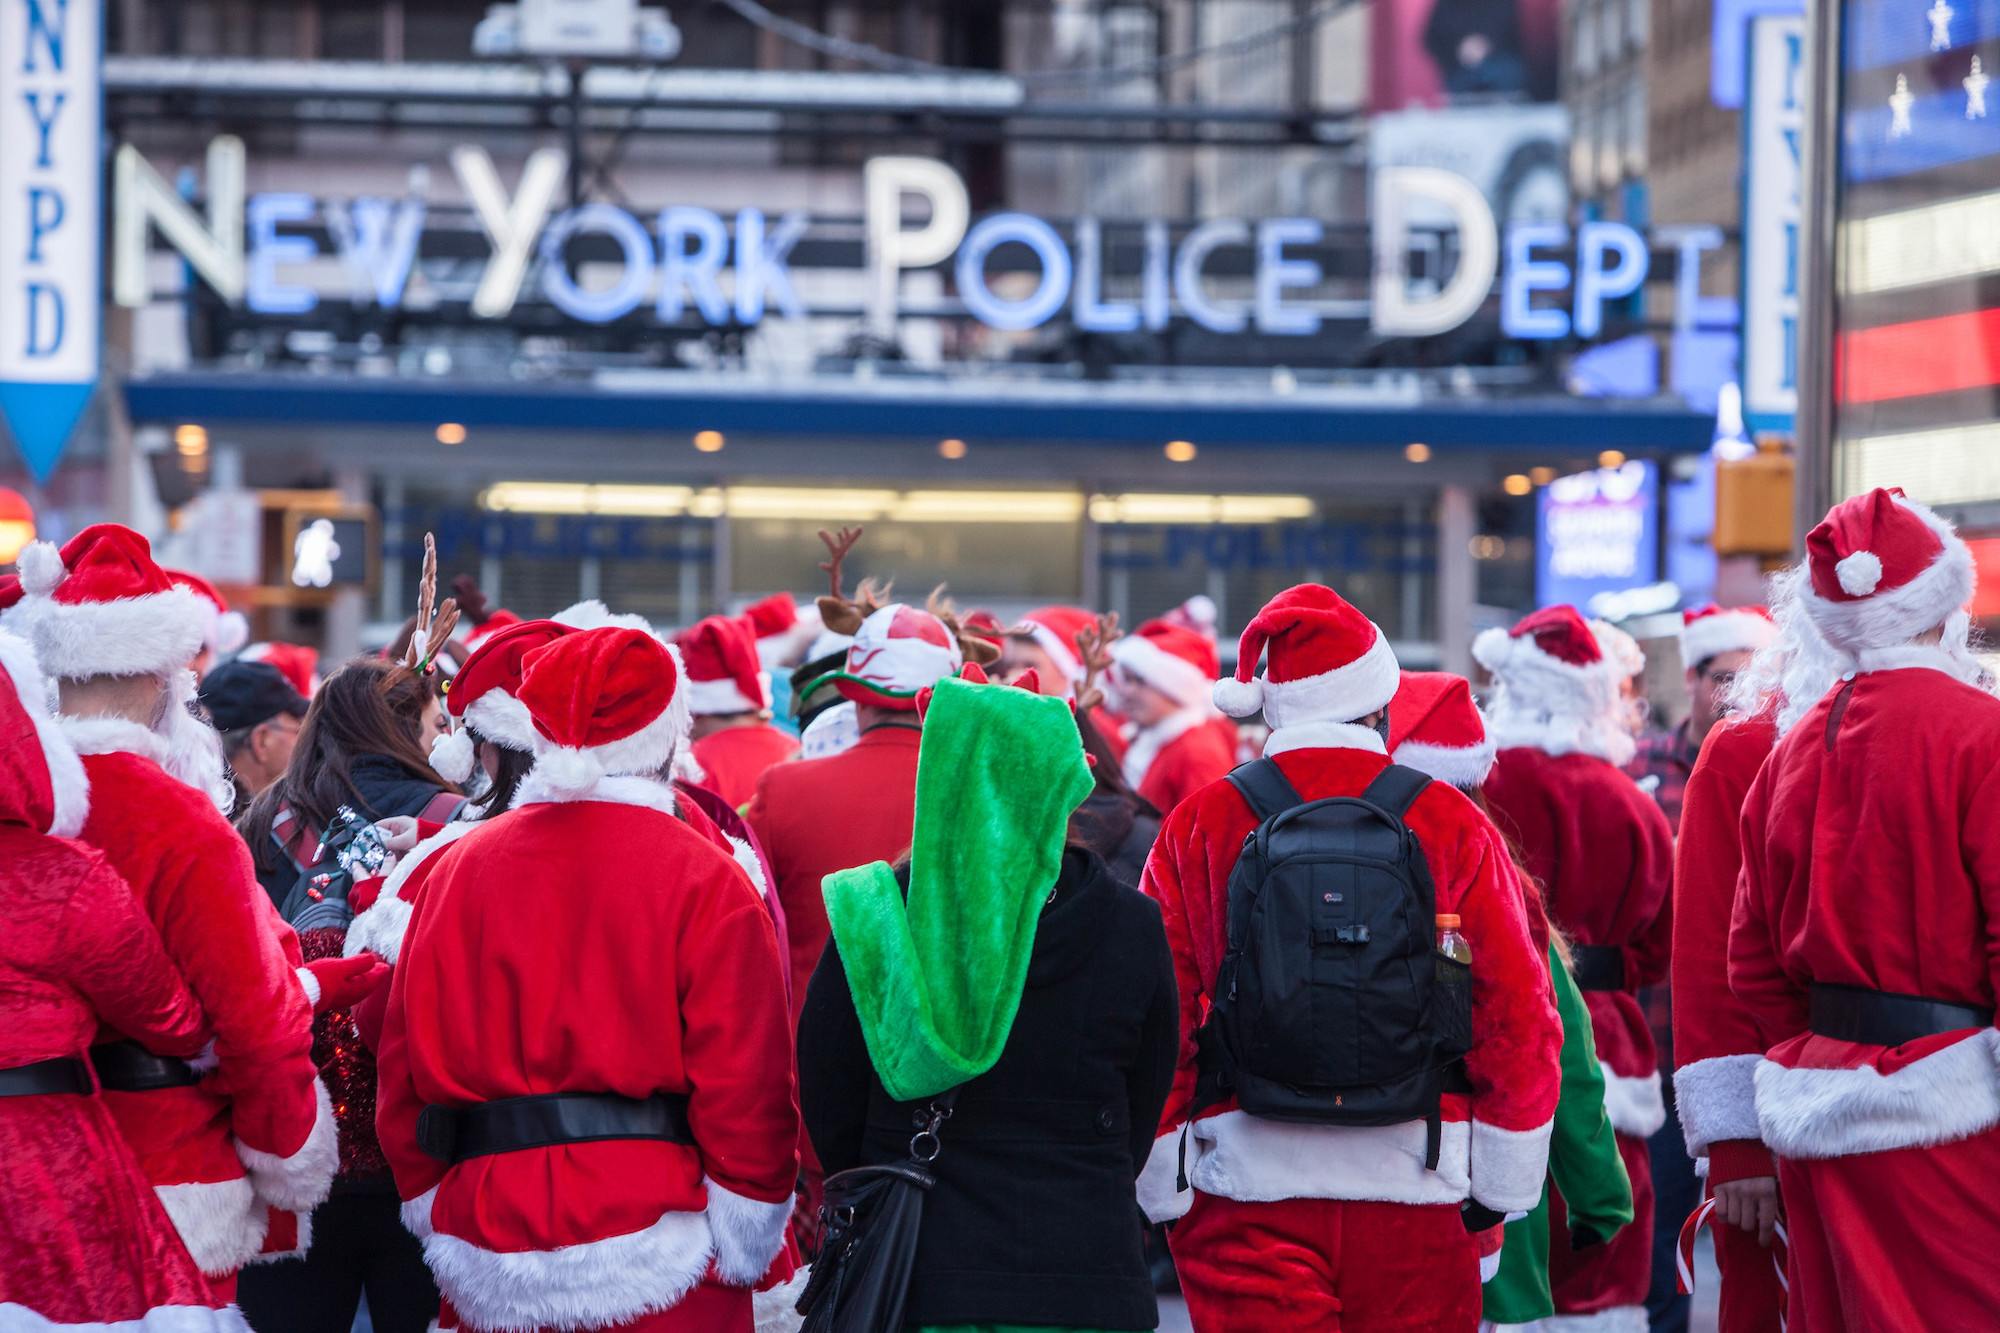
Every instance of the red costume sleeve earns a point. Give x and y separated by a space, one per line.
1764 893
115 959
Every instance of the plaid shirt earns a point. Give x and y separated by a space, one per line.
1661 767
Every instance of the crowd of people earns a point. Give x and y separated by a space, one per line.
866 965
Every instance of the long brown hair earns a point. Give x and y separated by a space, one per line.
368 707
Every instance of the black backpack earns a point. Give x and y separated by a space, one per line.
1332 1005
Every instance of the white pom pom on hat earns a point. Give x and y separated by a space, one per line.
1239 698
452 756
1859 574
566 771
41 568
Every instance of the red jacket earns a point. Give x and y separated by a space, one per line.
1172 760
595 945
260 1130
1601 851
1495 1141
1871 857
821 815
733 758
1716 1047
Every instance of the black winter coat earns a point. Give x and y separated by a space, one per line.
1033 1219
386 788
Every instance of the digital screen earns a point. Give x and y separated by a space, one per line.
329 552
1598 533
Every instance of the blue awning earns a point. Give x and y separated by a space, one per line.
986 411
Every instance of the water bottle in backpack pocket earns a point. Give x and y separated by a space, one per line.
1333 1004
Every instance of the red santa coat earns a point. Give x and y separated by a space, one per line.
1603 855
1176 757
595 945
1495 1145
733 758
1716 1043
1871 857
821 815
259 1132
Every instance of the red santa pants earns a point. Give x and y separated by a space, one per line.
1893 1241
1753 1300
1618 1272
1321 1265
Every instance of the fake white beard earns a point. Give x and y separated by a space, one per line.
194 750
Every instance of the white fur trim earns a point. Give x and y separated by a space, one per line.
648 750
1634 1105
1948 1095
300 1181
1240 1157
1859 573
380 929
41 568
1614 1319
453 756
1489 1265
1462 767
1929 656
112 735
1238 698
1716 1099
746 860
18 1318
596 1284
594 614
1147 742
221 1222
1897 615
748 1233
707 697
1361 687
1509 1166
1325 736
649 792
776 1310
311 983
1176 677
1158 1198
71 786
1544 703
129 636
503 719
1724 632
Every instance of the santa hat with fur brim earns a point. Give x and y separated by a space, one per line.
1179 662
1436 728
223 630
603 703
38 766
1708 631
101 607
1559 690
483 696
1053 629
722 670
1328 662
1882 570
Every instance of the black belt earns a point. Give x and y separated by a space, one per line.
65 1073
452 1134
1884 1018
1597 966
126 1066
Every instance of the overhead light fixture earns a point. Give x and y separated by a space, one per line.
1417 453
1611 458
1541 476
191 440
559 497
1180 451
708 441
1517 484
1169 508
951 449
451 432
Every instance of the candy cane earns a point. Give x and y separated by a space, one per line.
1684 1252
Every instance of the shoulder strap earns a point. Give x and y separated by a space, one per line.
1267 789
1396 788
442 808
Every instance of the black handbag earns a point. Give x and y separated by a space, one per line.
869 1219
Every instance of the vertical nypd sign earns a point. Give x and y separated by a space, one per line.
1774 123
49 220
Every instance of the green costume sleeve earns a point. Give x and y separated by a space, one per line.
1583 1154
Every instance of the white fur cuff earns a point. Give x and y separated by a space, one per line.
1717 1101
1948 1095
300 1182
311 984
1509 1166
1634 1105
748 1233
221 1222
18 1318
1157 1195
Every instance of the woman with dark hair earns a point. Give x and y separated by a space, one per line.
1114 821
364 745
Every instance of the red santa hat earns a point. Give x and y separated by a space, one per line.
41 778
298 663
603 702
1436 728
101 607
1883 569
1328 662
1178 662
1710 630
772 616
1559 690
898 651
1197 613
223 630
1053 629
495 622
484 696
10 590
722 672
594 614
